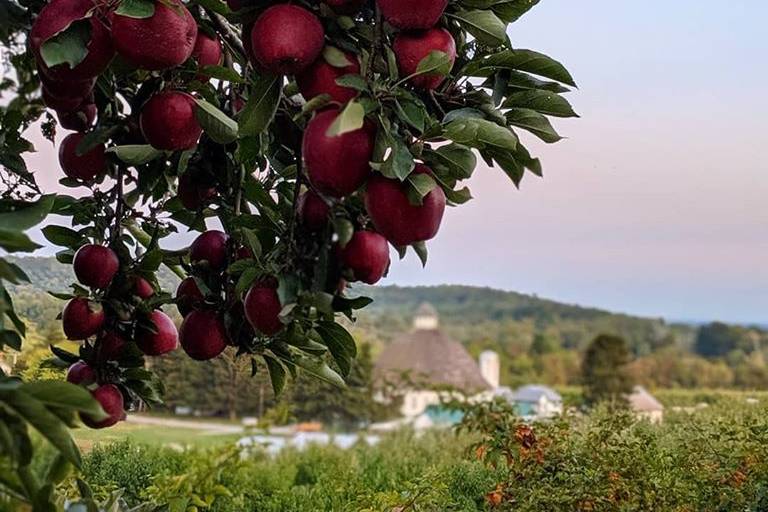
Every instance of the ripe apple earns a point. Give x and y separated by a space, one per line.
207 52
111 400
320 78
203 335
211 247
286 39
168 121
401 222
78 120
165 337
67 88
81 318
412 14
313 211
164 40
366 255
262 307
193 191
188 296
81 373
57 16
109 345
142 288
85 167
411 47
95 265
337 166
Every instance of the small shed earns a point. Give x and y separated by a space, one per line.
645 405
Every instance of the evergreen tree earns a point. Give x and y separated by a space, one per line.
604 370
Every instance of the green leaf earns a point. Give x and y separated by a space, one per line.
138 9
262 106
216 6
62 236
422 183
246 279
399 162
534 122
135 154
484 25
524 60
318 368
335 57
412 113
517 80
70 46
222 73
435 63
348 120
151 261
63 394
218 125
26 215
276 373
353 81
14 241
544 102
340 343
45 422
513 10
11 339
479 133
12 272
460 160
420 248
348 304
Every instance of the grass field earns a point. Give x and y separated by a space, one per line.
152 435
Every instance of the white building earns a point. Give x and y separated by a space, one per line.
534 401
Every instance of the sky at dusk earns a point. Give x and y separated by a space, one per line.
657 201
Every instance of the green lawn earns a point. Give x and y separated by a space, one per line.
151 434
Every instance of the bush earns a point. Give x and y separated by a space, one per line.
710 460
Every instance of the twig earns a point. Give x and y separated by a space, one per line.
229 35
375 45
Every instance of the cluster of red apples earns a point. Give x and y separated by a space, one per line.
285 39
99 268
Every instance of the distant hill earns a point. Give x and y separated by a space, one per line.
504 320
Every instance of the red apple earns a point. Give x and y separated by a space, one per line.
64 103
210 247
57 16
286 39
67 88
339 165
78 120
262 308
110 346
396 218
95 265
366 255
412 14
142 288
81 318
81 373
313 211
203 335
188 296
165 337
111 400
85 167
207 52
168 121
164 40
320 78
194 192
411 48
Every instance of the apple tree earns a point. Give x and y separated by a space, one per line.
301 141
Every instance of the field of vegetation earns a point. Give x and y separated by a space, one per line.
714 459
